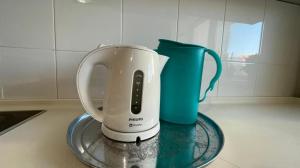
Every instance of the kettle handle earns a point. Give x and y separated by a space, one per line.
101 56
217 75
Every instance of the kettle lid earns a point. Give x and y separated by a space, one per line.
130 46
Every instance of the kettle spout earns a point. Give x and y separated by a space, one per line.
162 61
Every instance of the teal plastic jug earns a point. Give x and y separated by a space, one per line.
181 80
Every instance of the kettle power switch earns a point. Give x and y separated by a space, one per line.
137 92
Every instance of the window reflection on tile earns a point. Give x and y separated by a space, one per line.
243 41
242 30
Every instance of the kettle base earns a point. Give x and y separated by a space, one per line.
130 136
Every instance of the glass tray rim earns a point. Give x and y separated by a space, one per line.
85 117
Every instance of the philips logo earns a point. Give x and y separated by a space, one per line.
135 119
134 125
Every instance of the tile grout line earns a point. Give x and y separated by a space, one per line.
177 21
72 51
55 55
54 24
122 22
221 55
260 50
297 87
230 61
33 48
224 20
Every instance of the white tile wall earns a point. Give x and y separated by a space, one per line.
67 65
81 27
145 21
201 22
26 23
258 42
238 79
274 80
280 43
280 52
27 73
298 79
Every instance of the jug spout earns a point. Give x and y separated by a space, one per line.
162 61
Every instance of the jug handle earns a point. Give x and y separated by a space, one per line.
217 75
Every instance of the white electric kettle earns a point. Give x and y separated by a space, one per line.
132 96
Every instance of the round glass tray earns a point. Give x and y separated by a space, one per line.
176 145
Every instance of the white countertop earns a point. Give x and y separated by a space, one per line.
256 135
40 142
